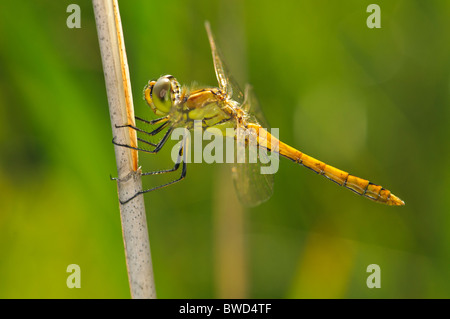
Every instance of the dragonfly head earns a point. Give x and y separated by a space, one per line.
162 95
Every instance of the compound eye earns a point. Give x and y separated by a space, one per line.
161 95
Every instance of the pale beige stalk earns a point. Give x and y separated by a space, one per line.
118 89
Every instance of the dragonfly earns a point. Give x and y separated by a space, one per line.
226 106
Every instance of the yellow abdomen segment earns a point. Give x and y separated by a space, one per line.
356 184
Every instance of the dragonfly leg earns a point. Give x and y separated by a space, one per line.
154 132
177 165
157 148
173 169
153 122
147 142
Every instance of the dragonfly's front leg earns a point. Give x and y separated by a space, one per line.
158 146
153 122
154 132
163 120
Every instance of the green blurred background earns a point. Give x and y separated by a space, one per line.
374 102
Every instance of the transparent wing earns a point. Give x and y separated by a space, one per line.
226 83
252 187
251 107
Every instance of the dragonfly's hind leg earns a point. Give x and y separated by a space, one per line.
175 168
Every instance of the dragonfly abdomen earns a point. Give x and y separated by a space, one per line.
356 184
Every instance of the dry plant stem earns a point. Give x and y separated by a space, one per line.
118 89
230 249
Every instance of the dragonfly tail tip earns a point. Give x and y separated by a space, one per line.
396 201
